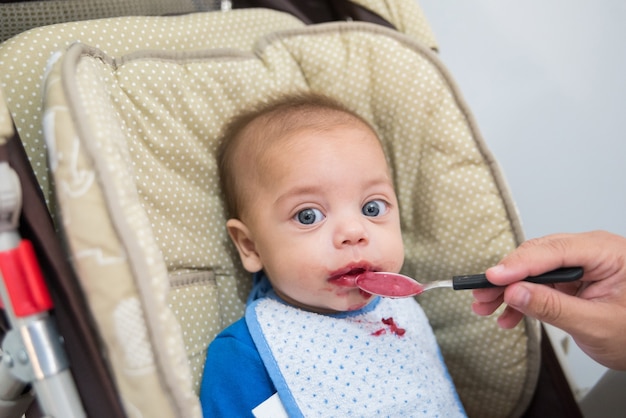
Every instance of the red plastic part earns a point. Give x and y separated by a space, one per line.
23 280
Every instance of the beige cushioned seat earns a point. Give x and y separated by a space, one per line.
19 16
132 137
23 57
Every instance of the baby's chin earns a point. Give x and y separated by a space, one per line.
359 302
347 301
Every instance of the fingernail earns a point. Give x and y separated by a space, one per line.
497 269
519 296
495 272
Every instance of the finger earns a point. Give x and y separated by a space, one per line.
489 306
594 251
510 318
546 304
488 294
485 309
531 258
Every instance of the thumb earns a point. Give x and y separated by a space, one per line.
549 305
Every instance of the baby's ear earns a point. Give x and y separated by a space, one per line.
240 234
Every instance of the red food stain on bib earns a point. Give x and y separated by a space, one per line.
393 327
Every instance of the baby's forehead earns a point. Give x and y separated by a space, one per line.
331 137
293 132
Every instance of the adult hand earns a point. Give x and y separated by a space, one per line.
592 310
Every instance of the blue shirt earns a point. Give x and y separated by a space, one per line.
235 380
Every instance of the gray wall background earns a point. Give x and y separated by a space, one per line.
546 81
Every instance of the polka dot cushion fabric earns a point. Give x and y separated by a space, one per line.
405 16
18 16
132 142
23 58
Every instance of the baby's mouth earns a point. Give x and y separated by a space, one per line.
346 278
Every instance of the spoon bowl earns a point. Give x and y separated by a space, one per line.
394 285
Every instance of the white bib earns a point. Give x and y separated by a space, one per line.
354 364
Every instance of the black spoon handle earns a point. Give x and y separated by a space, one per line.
479 281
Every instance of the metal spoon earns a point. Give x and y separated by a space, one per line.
393 285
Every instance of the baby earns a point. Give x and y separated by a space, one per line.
311 205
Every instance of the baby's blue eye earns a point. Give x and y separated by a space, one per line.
309 216
375 208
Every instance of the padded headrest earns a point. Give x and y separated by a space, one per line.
132 142
23 58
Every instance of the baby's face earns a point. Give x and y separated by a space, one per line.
324 211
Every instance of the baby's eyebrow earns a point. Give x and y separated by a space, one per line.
316 189
297 191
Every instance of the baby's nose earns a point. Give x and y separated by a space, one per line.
352 232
